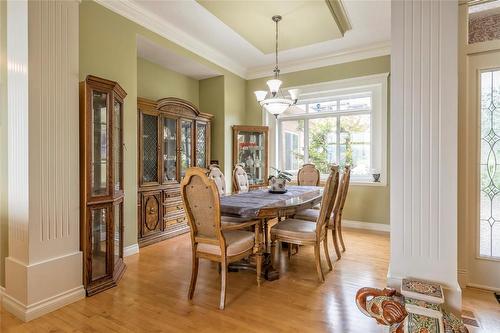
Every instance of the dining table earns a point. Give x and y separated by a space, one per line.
264 205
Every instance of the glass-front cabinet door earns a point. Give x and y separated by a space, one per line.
250 150
101 116
169 149
149 144
186 151
117 146
201 144
99 136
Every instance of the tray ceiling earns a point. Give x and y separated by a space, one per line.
304 22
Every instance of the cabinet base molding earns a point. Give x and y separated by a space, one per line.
33 311
131 250
165 235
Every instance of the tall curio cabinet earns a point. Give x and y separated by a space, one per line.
250 150
101 177
173 136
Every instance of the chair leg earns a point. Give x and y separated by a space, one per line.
336 244
223 282
258 263
297 249
327 254
290 251
194 275
273 251
339 232
317 257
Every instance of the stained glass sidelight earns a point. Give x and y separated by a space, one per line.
489 220
201 144
149 148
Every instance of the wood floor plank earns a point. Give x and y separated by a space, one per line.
152 296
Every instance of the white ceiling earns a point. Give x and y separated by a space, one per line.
190 25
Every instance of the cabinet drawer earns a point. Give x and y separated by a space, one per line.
173 208
169 222
172 197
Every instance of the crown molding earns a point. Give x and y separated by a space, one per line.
339 15
323 61
130 10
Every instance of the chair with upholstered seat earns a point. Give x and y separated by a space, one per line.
209 240
240 180
228 222
335 223
308 175
302 232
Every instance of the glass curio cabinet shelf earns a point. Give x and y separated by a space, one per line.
101 158
173 136
250 150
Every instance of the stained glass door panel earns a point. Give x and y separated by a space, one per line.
186 145
489 219
201 145
99 144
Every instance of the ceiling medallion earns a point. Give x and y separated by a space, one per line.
273 100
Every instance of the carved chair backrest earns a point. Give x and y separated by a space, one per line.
308 175
342 194
240 179
202 202
218 177
328 200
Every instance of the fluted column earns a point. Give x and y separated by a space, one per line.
44 266
424 143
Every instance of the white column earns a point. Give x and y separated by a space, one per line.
44 267
424 144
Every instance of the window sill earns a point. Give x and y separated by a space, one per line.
367 183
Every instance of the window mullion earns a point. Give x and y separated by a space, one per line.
338 139
306 141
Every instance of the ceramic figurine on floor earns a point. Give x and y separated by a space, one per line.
417 310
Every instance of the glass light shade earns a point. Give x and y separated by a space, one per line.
276 106
294 93
274 85
260 95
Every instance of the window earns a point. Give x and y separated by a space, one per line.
489 219
337 126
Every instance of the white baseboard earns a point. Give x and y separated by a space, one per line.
130 250
27 313
481 286
366 225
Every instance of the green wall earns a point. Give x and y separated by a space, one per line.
4 240
108 49
155 82
364 203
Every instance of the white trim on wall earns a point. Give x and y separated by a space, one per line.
130 250
366 225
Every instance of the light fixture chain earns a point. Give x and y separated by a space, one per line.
276 69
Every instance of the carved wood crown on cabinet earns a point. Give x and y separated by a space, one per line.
101 182
173 135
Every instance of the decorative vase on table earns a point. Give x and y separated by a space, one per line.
278 183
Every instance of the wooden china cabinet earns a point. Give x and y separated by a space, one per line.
250 150
101 182
173 136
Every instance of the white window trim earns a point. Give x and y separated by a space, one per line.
378 85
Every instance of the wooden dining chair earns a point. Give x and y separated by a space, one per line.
240 180
208 239
228 222
335 222
308 175
218 177
303 232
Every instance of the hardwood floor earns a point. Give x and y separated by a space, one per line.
152 296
